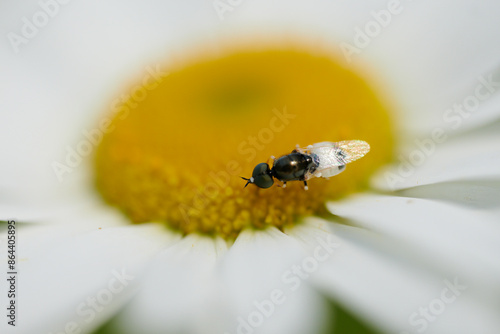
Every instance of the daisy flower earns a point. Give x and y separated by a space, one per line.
127 127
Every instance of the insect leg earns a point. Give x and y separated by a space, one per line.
305 185
284 184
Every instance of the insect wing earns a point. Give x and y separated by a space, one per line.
340 153
353 149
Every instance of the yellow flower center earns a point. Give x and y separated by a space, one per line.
178 145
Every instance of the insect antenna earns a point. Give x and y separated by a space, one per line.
250 180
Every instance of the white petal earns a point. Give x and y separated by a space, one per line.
436 54
75 208
380 282
475 194
187 292
81 279
175 289
261 293
475 156
452 237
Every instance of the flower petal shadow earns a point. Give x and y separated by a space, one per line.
481 194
